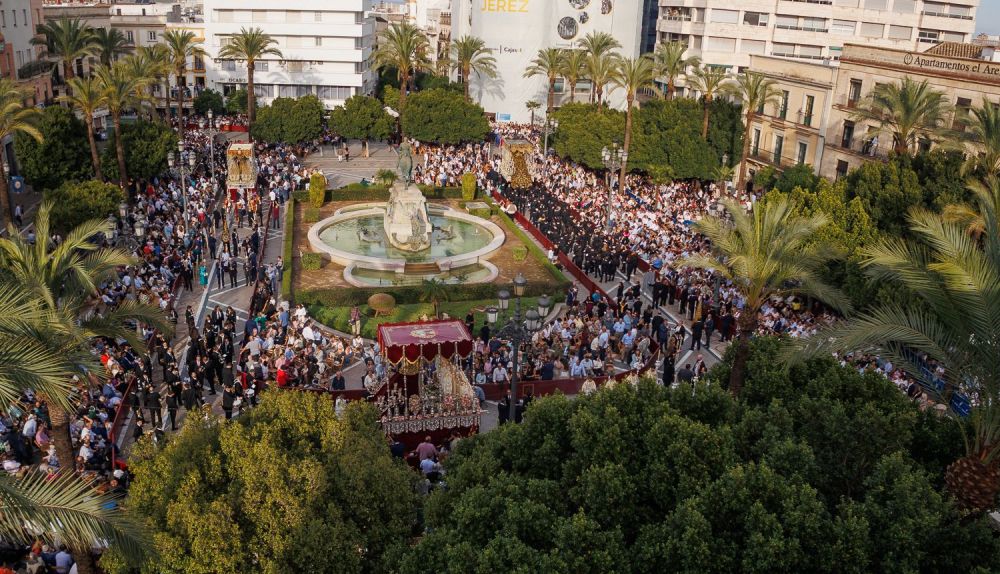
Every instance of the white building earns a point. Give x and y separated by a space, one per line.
326 47
727 33
516 29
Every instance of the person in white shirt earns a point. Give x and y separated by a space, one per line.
499 374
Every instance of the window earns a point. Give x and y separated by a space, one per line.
846 3
956 11
294 66
811 52
779 142
130 36
359 67
317 16
753 46
20 58
928 36
359 17
559 86
952 36
229 65
756 141
854 93
871 30
717 44
3 18
843 27
904 6
900 32
583 87
333 92
151 36
783 105
294 91
876 4
24 13
807 110
319 40
263 90
781 49
224 16
199 63
787 22
803 150
293 16
359 43
13 15
842 168
225 41
814 24
755 18
962 107
725 16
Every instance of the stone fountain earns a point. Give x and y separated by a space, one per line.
406 223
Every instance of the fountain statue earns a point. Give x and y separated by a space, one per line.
406 224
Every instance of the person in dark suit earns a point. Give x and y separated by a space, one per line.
685 374
696 331
173 402
228 400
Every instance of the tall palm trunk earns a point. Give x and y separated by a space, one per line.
67 464
737 374
572 90
181 80
404 81
68 75
704 117
166 88
251 100
465 80
629 100
551 96
8 213
670 88
120 151
94 159
746 152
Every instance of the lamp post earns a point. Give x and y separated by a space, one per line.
612 159
555 125
516 330
209 127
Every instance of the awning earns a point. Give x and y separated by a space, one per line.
411 342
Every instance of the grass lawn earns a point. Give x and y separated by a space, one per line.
336 317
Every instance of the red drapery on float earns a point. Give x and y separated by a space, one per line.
425 340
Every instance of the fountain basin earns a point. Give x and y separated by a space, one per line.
354 238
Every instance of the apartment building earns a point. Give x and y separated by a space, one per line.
814 123
326 48
729 34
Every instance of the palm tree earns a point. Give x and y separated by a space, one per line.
153 62
671 63
470 54
110 43
754 91
121 90
532 105
183 45
574 67
984 131
953 317
547 63
709 81
908 110
385 177
14 118
59 280
249 46
434 291
766 253
972 216
87 95
631 75
721 174
600 49
406 48
66 40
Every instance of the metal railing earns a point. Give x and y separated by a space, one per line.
867 145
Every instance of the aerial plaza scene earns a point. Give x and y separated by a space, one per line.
463 286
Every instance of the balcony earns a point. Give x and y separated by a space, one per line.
771 158
943 15
865 146
846 101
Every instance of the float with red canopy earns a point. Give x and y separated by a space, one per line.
426 392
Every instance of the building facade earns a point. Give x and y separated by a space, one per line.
728 34
814 122
516 29
326 48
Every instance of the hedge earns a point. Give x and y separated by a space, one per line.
410 294
371 192
310 214
533 248
312 261
286 250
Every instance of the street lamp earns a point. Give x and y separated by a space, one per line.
517 331
555 126
613 159
209 127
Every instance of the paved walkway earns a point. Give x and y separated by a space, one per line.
340 173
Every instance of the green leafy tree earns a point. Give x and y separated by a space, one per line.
765 253
87 96
800 175
584 131
468 186
908 110
207 100
888 191
470 55
146 146
75 202
984 132
270 123
668 134
936 171
15 118
548 64
363 118
62 154
765 178
183 45
250 45
122 91
444 117
631 75
671 63
385 177
305 123
317 189
236 102
288 487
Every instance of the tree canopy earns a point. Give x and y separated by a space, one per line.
63 154
76 202
444 117
146 147
289 120
363 118
210 99
649 479
288 487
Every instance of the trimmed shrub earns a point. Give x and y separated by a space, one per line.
520 253
317 189
312 261
286 252
469 186
310 214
